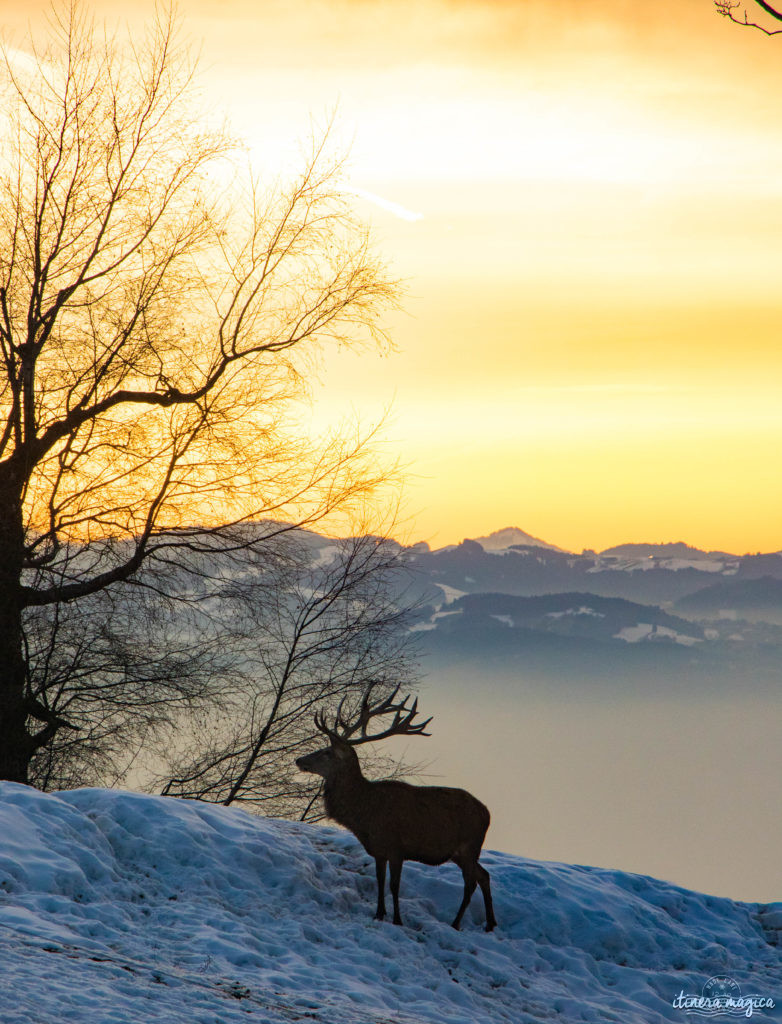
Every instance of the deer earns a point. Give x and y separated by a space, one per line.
395 821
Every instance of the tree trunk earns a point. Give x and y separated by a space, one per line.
16 743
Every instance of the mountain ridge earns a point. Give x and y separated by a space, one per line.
514 536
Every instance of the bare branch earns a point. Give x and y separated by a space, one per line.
161 317
729 9
315 631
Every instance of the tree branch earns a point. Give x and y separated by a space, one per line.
728 9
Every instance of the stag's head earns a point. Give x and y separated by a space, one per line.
346 733
329 761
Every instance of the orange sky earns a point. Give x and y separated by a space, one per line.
589 219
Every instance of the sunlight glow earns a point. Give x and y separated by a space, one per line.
554 138
592 310
20 60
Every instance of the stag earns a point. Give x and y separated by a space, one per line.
395 821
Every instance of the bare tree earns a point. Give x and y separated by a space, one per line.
311 631
117 670
157 320
734 8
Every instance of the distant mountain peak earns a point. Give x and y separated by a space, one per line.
677 549
510 535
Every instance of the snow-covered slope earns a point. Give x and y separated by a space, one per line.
117 908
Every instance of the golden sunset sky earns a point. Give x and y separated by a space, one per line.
585 200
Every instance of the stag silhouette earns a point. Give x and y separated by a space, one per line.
395 821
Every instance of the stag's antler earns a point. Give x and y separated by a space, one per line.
402 725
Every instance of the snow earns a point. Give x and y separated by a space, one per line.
326 555
647 631
701 564
583 610
617 563
451 594
422 627
117 908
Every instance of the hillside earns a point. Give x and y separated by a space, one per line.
755 596
137 908
565 614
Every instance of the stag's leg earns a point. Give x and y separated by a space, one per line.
485 884
396 875
470 881
380 871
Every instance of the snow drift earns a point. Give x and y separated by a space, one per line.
117 907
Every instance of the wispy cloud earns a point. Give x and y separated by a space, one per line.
387 204
20 60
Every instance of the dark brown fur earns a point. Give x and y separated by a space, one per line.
395 822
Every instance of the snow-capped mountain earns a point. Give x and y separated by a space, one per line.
512 536
655 574
650 616
119 908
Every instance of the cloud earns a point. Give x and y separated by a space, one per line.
386 204
20 60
